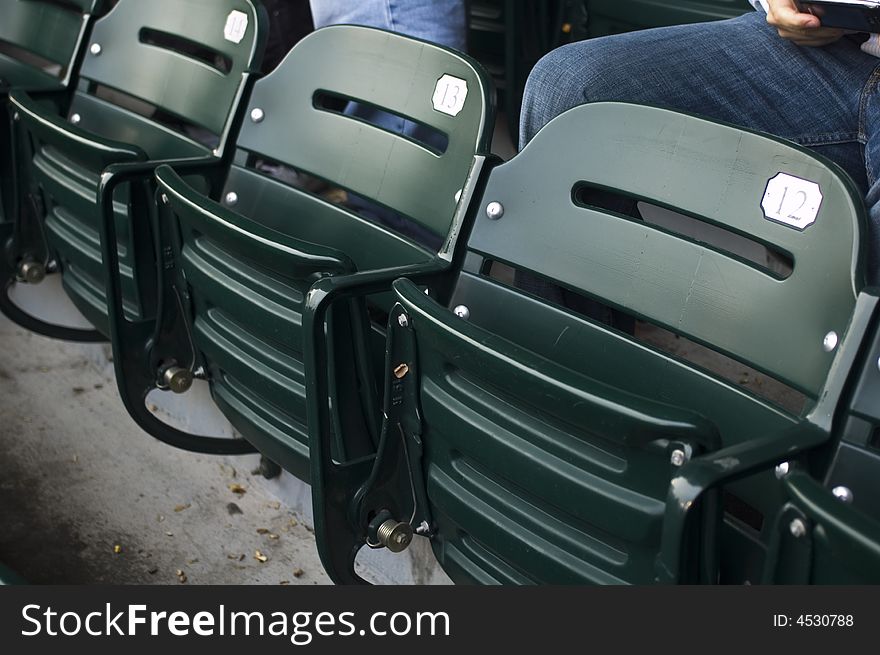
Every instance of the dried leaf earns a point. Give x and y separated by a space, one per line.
169 534
284 582
262 559
233 509
237 489
153 570
298 573
182 508
262 531
274 536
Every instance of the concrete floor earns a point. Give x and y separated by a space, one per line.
78 478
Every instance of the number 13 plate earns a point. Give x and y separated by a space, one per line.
450 95
792 201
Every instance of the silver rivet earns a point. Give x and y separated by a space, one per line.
495 210
257 115
462 311
402 320
232 198
797 528
678 458
95 49
75 119
164 199
783 470
843 494
830 342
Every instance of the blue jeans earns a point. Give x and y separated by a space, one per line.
738 71
438 21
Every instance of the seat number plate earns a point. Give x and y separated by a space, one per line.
236 26
450 95
792 201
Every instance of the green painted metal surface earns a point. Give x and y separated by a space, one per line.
165 89
244 265
547 439
53 33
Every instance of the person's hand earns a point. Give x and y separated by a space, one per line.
798 27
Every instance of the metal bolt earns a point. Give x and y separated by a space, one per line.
96 49
678 458
177 379
424 528
462 311
830 342
257 115
232 198
797 528
843 494
783 470
75 119
32 272
495 210
164 199
395 536
401 371
403 320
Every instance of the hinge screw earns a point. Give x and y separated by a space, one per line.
783 470
830 342
232 198
96 49
495 210
462 311
798 528
678 458
75 119
843 494
257 115
403 320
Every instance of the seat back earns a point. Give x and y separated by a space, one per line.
185 59
247 264
159 80
39 40
550 439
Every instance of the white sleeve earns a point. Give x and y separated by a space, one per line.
759 3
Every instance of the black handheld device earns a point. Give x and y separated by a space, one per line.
856 16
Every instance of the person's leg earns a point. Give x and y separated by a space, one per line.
871 127
438 21
738 71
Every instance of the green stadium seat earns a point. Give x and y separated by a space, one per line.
40 42
534 445
241 268
160 81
